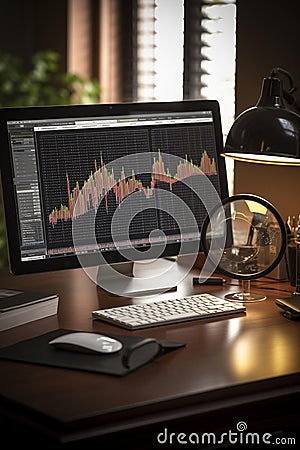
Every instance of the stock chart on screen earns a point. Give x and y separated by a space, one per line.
80 167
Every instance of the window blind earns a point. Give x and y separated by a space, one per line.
156 49
145 49
205 68
193 46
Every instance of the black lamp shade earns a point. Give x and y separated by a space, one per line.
268 132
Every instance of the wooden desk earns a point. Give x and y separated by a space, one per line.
243 368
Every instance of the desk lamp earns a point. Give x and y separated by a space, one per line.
269 133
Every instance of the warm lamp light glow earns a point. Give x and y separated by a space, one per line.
263 159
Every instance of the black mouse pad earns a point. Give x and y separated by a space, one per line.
37 350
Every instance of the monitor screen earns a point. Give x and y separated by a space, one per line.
90 179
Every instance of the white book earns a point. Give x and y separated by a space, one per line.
20 307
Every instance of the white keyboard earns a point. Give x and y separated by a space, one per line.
163 312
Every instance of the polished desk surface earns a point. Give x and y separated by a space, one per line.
229 362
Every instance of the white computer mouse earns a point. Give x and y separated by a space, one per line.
85 342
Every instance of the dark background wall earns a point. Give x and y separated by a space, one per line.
28 26
268 35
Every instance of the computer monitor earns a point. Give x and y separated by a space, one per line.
99 185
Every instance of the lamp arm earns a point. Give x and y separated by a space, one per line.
277 70
291 100
287 94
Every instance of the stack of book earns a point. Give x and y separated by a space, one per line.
20 307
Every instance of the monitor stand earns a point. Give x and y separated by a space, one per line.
144 278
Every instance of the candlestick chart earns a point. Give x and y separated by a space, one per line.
79 177
102 180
